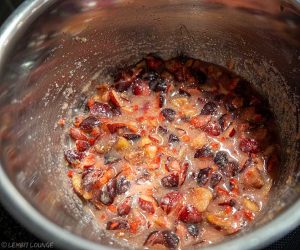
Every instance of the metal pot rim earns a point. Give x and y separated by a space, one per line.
35 222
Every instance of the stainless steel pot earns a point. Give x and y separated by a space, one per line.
53 52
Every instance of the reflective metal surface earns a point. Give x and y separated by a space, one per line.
53 53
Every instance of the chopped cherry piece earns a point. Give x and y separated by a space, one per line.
169 114
170 181
225 121
249 146
183 173
73 156
124 207
202 177
233 167
200 121
232 132
132 137
123 185
203 152
213 128
171 240
147 204
109 192
173 138
82 145
209 108
215 179
117 225
101 109
170 201
189 214
114 127
193 229
89 123
116 111
156 237
90 177
123 80
167 238
156 83
77 134
221 159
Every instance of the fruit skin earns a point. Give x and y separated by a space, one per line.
215 179
77 134
170 181
200 121
141 88
73 156
101 110
114 127
233 168
132 137
162 130
173 138
125 207
209 108
204 152
193 230
167 238
123 185
170 201
249 146
190 214
82 145
147 204
117 225
109 192
213 128
221 159
202 177
169 114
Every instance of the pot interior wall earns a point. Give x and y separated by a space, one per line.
57 62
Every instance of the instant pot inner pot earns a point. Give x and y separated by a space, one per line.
56 63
